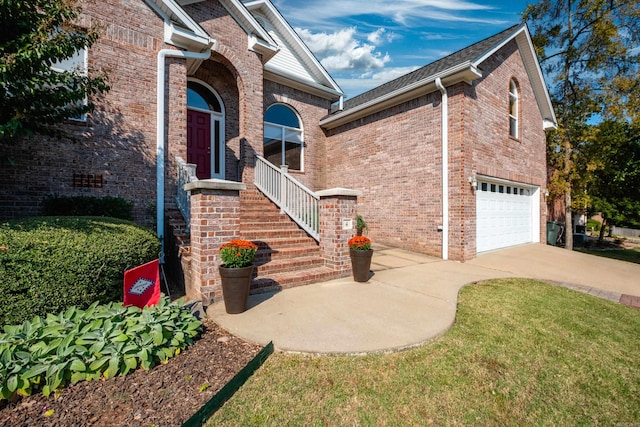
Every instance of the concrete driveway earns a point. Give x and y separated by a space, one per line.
567 267
410 300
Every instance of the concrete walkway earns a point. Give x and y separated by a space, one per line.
410 300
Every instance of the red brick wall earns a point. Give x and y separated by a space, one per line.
394 158
241 77
118 141
486 147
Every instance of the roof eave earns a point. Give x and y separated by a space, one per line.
171 12
306 55
186 39
525 44
465 72
258 45
259 40
293 81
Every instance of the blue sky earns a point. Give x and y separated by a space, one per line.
366 43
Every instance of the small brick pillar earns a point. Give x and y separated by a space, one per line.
337 226
215 219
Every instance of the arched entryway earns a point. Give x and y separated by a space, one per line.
205 130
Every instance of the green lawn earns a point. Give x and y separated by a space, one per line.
629 255
521 353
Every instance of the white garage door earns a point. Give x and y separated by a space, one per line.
507 214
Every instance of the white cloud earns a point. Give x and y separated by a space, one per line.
389 74
376 36
320 13
341 50
366 81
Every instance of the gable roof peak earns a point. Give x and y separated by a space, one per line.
460 66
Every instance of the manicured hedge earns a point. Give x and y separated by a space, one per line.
48 264
115 207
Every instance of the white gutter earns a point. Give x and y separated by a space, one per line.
445 168
465 72
160 142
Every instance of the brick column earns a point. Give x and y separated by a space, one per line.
337 226
215 219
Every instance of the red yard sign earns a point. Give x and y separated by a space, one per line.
142 285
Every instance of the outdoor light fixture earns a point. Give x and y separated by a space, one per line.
546 193
473 181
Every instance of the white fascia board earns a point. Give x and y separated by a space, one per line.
186 39
265 49
171 11
525 46
301 84
192 37
187 2
465 72
312 63
243 17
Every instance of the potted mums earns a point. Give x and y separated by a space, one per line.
236 271
360 252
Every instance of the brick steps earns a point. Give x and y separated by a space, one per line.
299 262
265 255
286 280
287 255
272 233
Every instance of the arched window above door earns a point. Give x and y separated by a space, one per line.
283 137
205 131
202 98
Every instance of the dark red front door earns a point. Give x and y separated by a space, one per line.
199 142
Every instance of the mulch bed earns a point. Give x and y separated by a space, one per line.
167 395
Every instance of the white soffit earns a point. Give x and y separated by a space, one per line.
294 57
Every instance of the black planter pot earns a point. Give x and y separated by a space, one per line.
361 264
236 283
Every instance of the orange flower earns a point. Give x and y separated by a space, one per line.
238 253
359 243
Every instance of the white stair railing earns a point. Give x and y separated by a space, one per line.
186 174
293 198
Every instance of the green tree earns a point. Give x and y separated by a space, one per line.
614 166
33 97
586 51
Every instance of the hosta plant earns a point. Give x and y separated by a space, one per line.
44 354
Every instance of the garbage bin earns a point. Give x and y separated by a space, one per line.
553 228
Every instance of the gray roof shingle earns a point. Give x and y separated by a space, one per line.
468 54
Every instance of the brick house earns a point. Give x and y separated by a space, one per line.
210 97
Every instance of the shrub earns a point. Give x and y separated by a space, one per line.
115 207
48 264
78 345
593 224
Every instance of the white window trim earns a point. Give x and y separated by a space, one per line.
514 99
282 137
